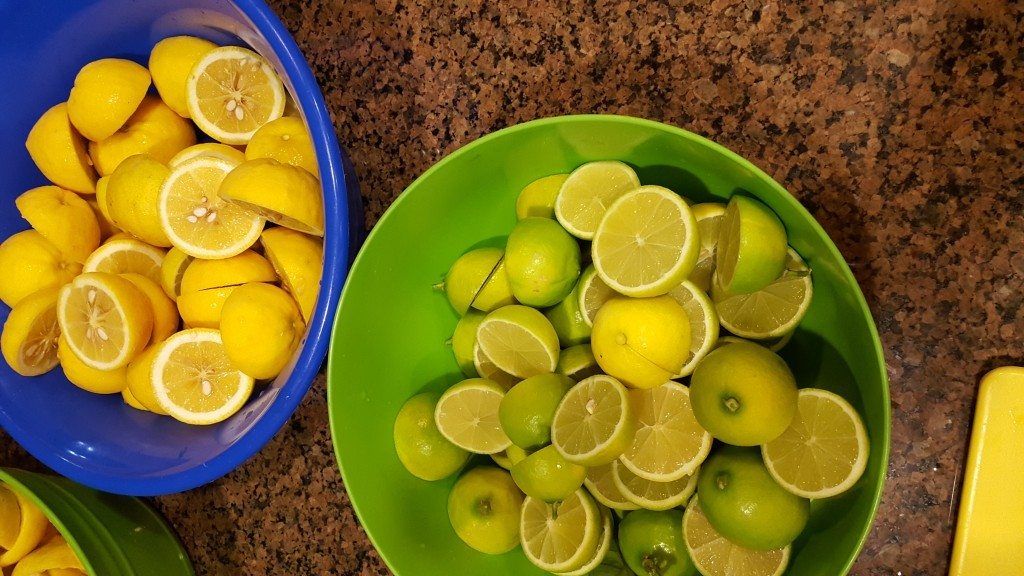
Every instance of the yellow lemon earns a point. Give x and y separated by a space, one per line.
106 227
215 149
140 380
106 93
298 259
122 254
195 381
261 327
281 193
86 377
232 92
165 313
30 263
131 400
641 341
153 129
170 62
172 271
102 204
241 269
59 151
31 530
63 218
195 216
285 140
106 320
203 309
132 198
29 339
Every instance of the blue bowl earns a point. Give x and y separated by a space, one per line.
97 440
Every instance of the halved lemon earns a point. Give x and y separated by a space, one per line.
215 149
231 92
601 483
196 219
772 311
485 368
824 451
54 558
594 422
647 242
714 555
30 334
10 518
239 269
298 259
603 546
194 381
519 340
593 293
172 271
703 323
561 536
283 194
165 313
87 378
652 495
203 309
126 255
669 442
709 219
105 319
30 532
467 415
588 192
63 218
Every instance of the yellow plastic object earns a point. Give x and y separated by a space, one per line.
990 529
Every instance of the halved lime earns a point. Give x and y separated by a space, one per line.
467 415
772 311
486 369
594 422
563 536
647 242
601 483
578 362
751 250
464 341
538 197
709 220
714 555
593 293
652 495
669 442
825 449
703 323
519 340
604 545
588 192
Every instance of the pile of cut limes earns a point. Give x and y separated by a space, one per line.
29 544
144 230
605 386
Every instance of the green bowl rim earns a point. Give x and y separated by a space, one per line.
686 134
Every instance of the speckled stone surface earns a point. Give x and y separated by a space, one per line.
898 124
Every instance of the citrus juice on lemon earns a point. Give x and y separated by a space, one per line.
646 383
171 272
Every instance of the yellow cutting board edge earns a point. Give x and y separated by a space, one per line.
990 527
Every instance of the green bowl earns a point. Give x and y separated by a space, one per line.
390 331
111 535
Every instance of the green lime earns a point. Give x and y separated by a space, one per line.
745 504
496 291
578 362
483 508
773 311
744 394
528 408
464 339
467 276
543 262
538 198
568 321
509 457
548 476
751 251
588 192
652 543
421 448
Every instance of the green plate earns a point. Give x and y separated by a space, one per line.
390 332
111 535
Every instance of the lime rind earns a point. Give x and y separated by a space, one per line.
652 495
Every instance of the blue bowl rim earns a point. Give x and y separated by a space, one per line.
786 196
336 249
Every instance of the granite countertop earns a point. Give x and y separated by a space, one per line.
897 124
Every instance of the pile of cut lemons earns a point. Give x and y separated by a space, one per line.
172 272
596 379
29 544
